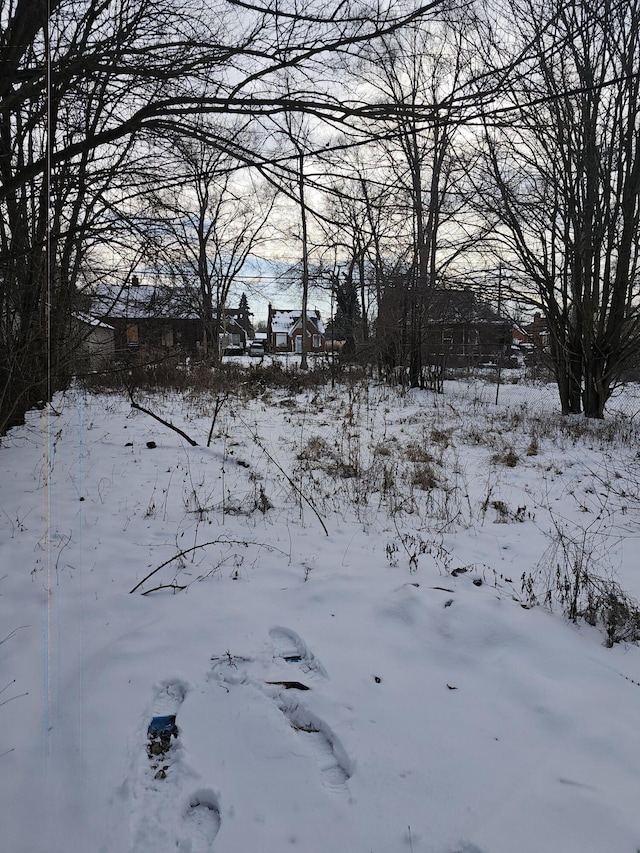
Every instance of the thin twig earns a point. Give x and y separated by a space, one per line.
163 586
294 486
6 701
220 401
195 548
10 635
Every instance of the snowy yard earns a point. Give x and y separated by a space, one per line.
337 620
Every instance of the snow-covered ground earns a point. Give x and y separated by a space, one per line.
337 621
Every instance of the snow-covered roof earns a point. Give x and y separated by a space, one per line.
286 320
88 320
145 301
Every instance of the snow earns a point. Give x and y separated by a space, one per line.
443 713
145 301
88 320
286 320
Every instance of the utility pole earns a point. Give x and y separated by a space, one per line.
305 259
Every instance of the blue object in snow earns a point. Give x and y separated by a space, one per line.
163 727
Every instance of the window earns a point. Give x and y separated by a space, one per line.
132 334
281 339
167 336
317 341
298 340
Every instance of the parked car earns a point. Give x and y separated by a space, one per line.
256 349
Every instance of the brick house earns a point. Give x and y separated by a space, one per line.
284 330
457 327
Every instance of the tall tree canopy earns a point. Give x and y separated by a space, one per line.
563 189
85 83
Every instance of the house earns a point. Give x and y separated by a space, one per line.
235 330
96 342
284 330
232 336
519 335
148 317
157 318
539 331
465 329
534 334
531 340
456 327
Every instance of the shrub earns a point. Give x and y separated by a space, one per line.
566 576
424 477
506 457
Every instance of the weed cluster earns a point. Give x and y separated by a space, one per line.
569 575
395 456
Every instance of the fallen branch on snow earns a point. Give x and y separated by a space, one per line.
168 424
195 548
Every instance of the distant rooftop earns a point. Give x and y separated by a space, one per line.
286 319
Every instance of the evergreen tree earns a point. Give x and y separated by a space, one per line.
244 313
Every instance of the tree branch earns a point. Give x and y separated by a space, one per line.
151 414
196 548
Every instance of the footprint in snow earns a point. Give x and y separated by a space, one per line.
231 669
170 695
290 656
200 823
162 777
290 662
162 730
334 763
292 649
157 769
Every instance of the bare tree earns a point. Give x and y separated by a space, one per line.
348 243
85 82
422 68
210 219
563 158
304 240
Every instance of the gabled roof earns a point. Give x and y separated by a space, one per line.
288 319
142 301
459 306
94 322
